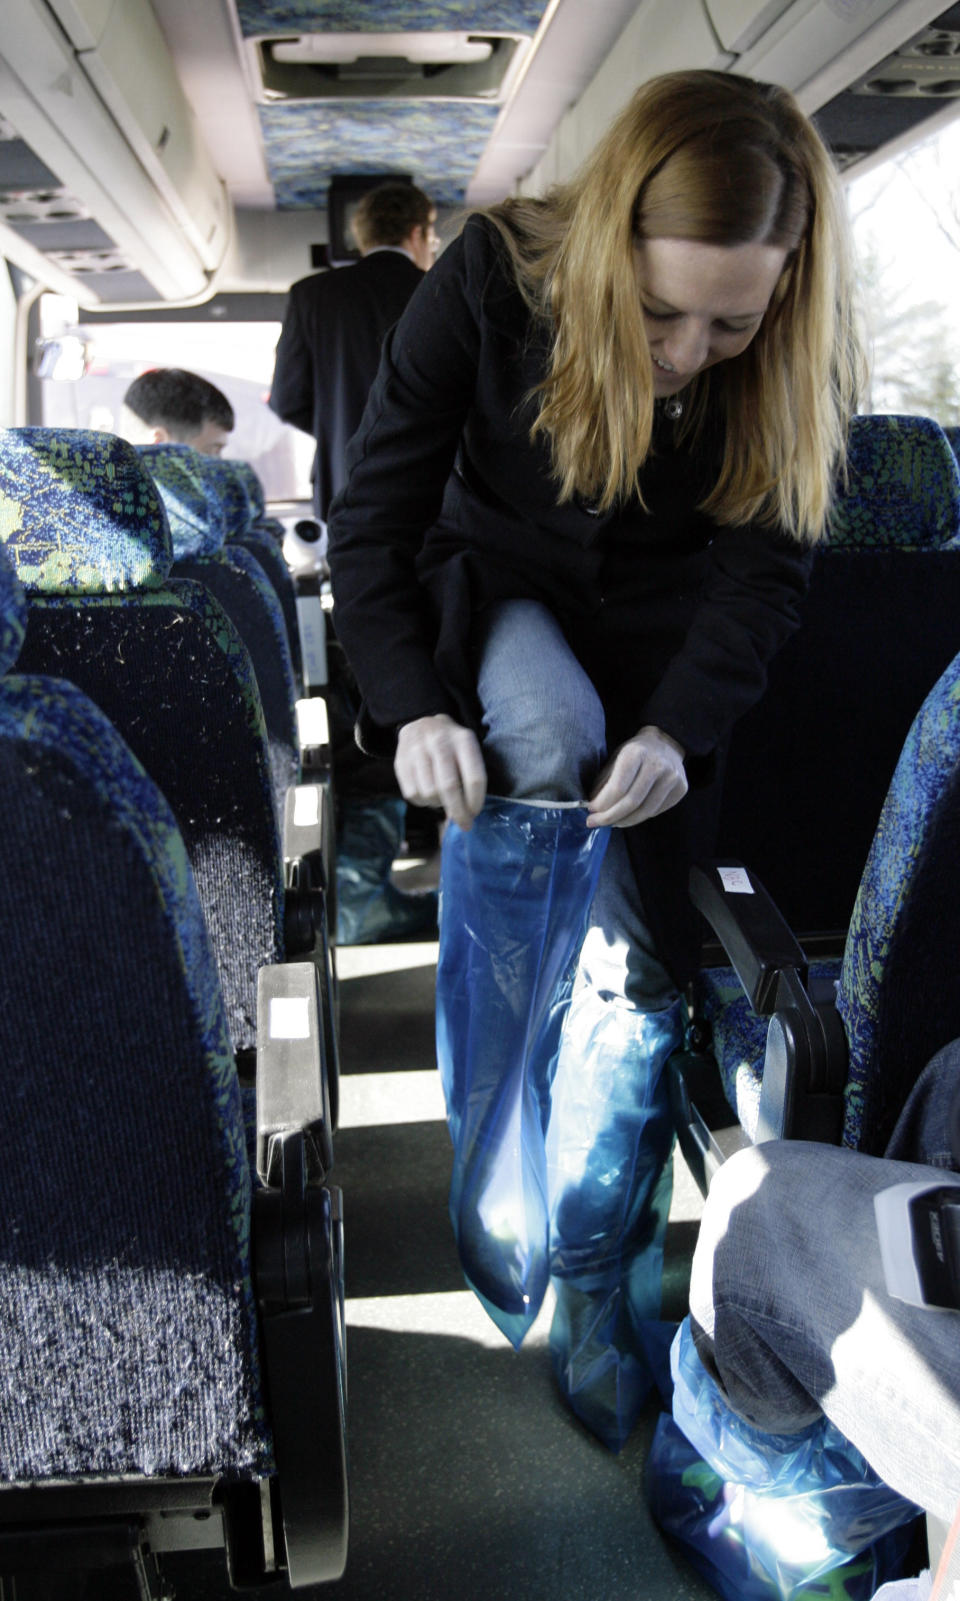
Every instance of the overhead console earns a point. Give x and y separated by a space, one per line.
106 190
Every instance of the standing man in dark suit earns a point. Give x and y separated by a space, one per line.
326 361
329 348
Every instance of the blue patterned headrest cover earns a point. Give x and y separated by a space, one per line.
189 492
234 493
254 488
13 613
903 488
78 514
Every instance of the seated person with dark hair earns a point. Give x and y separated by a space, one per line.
168 404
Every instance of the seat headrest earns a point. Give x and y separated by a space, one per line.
78 514
253 486
902 490
13 613
189 491
234 491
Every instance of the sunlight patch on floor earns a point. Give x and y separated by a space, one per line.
455 1312
366 961
374 1100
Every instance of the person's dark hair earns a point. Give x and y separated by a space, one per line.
181 402
386 215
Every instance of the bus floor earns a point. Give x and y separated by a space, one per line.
470 1479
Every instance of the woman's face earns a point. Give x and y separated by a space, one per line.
701 303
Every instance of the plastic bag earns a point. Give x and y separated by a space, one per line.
370 908
514 894
766 1515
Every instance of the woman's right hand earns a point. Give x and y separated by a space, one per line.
438 763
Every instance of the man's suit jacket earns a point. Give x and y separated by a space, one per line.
329 351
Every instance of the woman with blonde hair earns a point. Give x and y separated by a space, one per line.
579 523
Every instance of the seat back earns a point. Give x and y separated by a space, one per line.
899 995
88 536
808 767
205 502
128 1338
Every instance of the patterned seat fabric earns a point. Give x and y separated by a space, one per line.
129 1340
169 670
902 489
206 502
809 765
953 435
897 990
899 997
739 1035
13 612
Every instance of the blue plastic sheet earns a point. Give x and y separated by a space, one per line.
514 894
370 908
610 1182
764 1515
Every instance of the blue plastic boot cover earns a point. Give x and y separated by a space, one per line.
370 908
609 1182
514 895
768 1515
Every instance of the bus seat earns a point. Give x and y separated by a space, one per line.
87 533
830 1051
139 1406
263 537
808 767
204 499
953 435
13 612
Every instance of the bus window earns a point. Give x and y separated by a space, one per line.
86 368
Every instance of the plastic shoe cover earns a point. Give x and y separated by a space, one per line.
610 1182
767 1515
514 894
370 909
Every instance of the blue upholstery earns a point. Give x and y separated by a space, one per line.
42 472
902 489
129 1340
13 612
739 1035
899 994
897 991
185 485
953 435
808 767
170 671
206 500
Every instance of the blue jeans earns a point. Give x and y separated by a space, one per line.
544 738
790 1308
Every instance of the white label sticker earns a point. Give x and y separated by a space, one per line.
306 805
735 880
289 1017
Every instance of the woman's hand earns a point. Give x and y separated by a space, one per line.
438 763
643 778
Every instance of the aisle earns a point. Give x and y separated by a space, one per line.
470 1479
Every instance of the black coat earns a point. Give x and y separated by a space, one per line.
450 507
329 351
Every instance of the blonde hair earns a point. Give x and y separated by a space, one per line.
722 160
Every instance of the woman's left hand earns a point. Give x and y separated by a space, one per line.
643 778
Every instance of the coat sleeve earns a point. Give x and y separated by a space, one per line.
750 605
399 462
291 392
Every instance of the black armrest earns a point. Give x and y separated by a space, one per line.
293 1089
805 1062
298 1275
750 928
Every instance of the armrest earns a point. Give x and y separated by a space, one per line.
312 626
313 734
806 1057
308 833
293 1089
750 928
